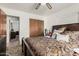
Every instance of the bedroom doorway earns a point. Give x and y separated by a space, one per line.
14 28
36 28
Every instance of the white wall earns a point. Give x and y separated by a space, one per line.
24 21
65 16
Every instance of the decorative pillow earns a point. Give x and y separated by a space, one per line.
76 50
62 37
60 30
55 31
54 36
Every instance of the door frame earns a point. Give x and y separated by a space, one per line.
8 30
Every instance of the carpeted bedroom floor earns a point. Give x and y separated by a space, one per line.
14 49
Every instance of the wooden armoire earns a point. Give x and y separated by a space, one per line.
2 23
36 28
2 32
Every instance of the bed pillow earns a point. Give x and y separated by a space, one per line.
61 37
54 36
60 30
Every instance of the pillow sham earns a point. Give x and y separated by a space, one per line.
61 37
60 30
54 36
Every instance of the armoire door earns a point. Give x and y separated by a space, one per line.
36 28
2 23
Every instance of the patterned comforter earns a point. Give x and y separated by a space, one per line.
44 46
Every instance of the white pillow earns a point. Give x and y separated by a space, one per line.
62 37
54 36
60 30
56 31
76 50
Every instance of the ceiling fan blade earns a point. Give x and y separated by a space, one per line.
49 6
38 5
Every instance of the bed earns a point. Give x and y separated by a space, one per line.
44 46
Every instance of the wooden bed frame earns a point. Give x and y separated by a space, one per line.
27 51
69 27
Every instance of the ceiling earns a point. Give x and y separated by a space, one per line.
30 7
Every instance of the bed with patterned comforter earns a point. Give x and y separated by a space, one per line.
43 46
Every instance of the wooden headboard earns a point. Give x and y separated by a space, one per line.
69 27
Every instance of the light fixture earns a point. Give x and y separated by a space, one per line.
42 4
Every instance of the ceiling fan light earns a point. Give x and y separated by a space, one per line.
49 6
38 5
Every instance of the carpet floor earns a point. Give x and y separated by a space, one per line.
14 49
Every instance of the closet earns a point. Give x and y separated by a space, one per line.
36 28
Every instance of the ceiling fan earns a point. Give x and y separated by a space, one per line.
39 4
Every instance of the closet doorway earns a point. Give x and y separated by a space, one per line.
14 28
36 28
